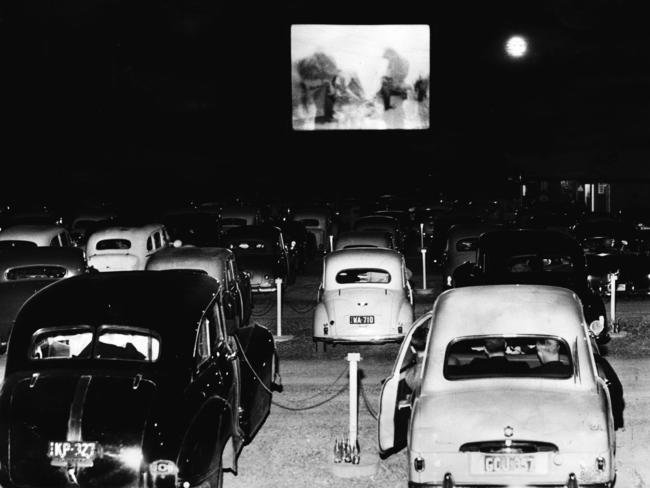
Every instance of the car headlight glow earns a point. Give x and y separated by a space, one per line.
131 457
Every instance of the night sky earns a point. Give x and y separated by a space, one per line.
193 97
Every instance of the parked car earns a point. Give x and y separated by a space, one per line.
232 217
541 257
366 238
130 379
34 235
125 248
86 223
319 223
220 264
615 247
382 223
461 248
192 227
523 417
301 243
364 297
24 271
260 250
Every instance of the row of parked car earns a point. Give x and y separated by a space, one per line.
503 382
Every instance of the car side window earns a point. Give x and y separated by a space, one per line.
157 241
150 243
203 345
55 242
218 319
230 273
65 240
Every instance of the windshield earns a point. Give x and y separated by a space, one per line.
508 356
533 263
113 244
104 342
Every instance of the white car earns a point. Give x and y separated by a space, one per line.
125 248
509 393
35 235
364 297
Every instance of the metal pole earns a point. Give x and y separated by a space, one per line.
421 235
353 358
278 286
612 307
331 243
424 268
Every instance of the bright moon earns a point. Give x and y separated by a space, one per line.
516 46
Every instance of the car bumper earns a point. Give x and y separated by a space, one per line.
464 471
361 340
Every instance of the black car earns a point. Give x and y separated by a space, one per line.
130 379
544 257
261 250
613 246
193 227
300 242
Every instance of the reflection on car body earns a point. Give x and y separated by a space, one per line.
364 297
130 379
518 419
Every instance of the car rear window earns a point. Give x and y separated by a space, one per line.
363 275
36 273
536 263
105 342
250 246
233 221
310 222
508 356
105 244
17 244
467 244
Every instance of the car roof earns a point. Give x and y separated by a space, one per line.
168 302
528 239
360 238
506 309
30 231
253 231
121 232
371 257
209 259
41 256
460 231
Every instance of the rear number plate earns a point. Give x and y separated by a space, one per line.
509 464
362 319
64 453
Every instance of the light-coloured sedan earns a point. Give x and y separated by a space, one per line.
508 393
364 297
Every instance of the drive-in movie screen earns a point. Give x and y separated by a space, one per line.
372 77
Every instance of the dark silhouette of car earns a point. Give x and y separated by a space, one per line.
538 257
130 379
261 250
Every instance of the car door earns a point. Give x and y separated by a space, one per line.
396 396
212 398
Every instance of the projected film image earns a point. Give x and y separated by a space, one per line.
372 77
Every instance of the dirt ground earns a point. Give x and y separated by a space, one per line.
294 448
